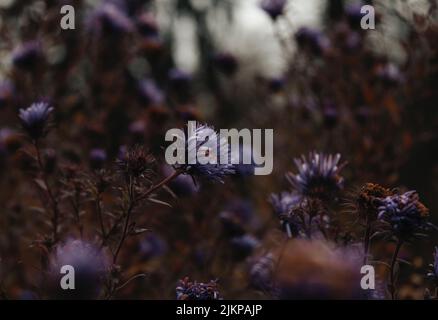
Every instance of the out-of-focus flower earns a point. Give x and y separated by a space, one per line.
110 19
315 270
152 246
283 205
390 74
237 217
183 185
244 246
226 63
35 119
318 175
97 158
353 14
368 200
149 92
312 40
261 272
211 146
404 215
90 266
274 8
135 162
330 115
276 84
9 141
6 93
148 28
28 55
187 290
180 82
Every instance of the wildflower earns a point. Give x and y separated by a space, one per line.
261 272
312 40
244 245
404 215
152 246
149 92
318 175
135 163
237 217
35 119
368 198
7 92
148 29
226 63
97 158
283 205
183 185
274 8
28 55
315 270
213 170
110 19
187 290
90 265
354 15
276 84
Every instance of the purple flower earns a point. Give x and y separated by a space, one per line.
6 93
354 16
404 216
90 266
237 218
187 290
283 205
152 246
149 92
318 175
312 40
35 119
226 63
274 8
194 144
110 19
244 246
27 55
183 185
97 158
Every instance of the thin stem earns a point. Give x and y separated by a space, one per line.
99 214
52 199
392 275
367 240
133 201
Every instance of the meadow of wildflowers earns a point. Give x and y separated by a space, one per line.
84 181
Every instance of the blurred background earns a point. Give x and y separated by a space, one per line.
132 69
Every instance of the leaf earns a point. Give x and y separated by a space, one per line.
40 183
159 202
138 231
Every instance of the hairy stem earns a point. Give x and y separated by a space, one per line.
367 241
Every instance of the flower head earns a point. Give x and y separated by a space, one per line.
369 198
135 162
283 205
27 55
404 215
312 40
318 175
97 158
274 8
204 141
226 63
90 265
188 290
35 119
